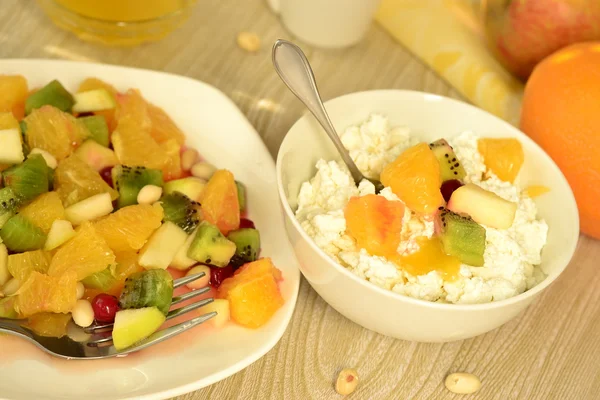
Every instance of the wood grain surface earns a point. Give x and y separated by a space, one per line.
551 351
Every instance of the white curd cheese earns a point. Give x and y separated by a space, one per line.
511 256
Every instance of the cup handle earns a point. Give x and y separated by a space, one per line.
274 4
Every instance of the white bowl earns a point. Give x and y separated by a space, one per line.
429 117
221 133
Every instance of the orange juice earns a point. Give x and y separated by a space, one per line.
123 10
118 22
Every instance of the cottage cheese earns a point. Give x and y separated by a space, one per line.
511 258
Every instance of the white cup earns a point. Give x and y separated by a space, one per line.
326 23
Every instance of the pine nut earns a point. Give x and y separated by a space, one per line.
346 382
248 41
11 287
149 194
80 290
189 158
462 383
83 314
203 170
200 282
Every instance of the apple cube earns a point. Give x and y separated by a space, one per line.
483 206
96 156
60 232
4 274
221 307
93 100
181 260
161 248
89 209
11 151
192 187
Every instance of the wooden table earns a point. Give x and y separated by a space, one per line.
551 351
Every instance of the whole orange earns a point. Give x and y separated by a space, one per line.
561 112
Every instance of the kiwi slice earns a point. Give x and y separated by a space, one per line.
450 166
28 179
241 192
130 180
210 246
19 235
54 94
181 211
247 242
98 128
9 203
102 280
462 237
152 288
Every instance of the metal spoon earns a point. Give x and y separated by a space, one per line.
294 70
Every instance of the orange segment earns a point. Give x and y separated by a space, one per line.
430 257
55 131
13 93
536 190
172 169
252 293
8 121
21 265
85 254
135 147
130 227
74 181
49 324
414 176
504 157
44 210
220 203
163 127
375 223
43 293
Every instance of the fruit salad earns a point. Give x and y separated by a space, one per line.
102 204
452 224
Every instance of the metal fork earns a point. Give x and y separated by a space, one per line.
94 342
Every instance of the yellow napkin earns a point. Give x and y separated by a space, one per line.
447 35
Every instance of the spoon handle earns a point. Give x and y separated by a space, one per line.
295 71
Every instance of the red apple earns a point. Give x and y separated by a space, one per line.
523 32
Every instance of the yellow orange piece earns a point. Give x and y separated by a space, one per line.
375 223
44 210
560 113
163 127
220 203
130 227
504 157
49 324
8 121
430 257
85 254
253 293
74 181
172 169
414 176
536 190
57 132
13 93
21 265
43 293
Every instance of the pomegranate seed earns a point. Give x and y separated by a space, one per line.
218 275
448 187
246 223
105 307
106 174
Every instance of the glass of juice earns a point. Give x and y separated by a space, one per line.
118 22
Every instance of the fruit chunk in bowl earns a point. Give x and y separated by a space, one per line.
99 209
424 307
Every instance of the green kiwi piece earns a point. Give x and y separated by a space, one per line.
19 235
103 280
152 288
462 237
98 128
209 246
28 179
54 94
241 192
247 242
9 203
128 181
180 210
450 166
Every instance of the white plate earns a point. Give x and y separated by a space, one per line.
225 138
